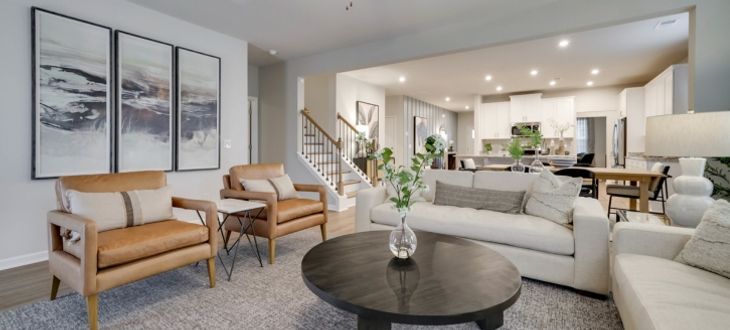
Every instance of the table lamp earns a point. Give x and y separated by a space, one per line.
690 136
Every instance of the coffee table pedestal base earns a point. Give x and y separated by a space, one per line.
494 322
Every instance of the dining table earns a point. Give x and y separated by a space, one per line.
634 176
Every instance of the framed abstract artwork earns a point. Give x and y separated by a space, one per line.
368 114
144 95
72 119
420 133
198 110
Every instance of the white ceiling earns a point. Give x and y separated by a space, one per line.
625 54
297 28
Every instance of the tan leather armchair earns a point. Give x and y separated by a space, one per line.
280 217
103 260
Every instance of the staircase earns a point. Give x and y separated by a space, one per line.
330 160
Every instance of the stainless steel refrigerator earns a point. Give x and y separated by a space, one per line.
619 143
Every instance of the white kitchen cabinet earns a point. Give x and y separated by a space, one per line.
491 121
631 106
668 93
558 111
525 108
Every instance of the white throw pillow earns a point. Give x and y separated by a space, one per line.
469 164
284 187
114 210
709 247
552 198
258 186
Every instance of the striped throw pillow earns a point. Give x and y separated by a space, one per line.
114 210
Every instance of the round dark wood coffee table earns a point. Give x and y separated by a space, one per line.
448 280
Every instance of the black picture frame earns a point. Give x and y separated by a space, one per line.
69 120
180 165
119 103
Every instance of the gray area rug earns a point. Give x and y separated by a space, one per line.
274 297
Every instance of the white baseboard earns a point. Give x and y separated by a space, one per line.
23 260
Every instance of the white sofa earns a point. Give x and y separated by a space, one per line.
541 249
652 291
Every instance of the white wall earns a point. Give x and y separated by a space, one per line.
319 99
465 125
25 202
350 90
708 54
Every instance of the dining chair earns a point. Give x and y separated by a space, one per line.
590 183
658 189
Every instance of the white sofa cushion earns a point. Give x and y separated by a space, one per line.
657 293
518 230
458 178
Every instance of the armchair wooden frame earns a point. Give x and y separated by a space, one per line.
79 270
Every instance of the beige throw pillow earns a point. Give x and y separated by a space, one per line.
709 247
552 198
258 186
116 210
284 187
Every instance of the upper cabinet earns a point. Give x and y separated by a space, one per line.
491 121
631 106
668 93
525 108
557 112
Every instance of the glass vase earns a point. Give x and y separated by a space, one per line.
536 166
517 166
403 240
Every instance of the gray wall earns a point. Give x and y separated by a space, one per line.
24 202
253 81
709 51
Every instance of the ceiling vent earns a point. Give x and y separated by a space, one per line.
665 24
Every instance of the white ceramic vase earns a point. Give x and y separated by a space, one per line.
691 193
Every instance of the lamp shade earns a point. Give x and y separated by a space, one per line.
702 134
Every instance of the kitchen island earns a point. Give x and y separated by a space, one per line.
495 159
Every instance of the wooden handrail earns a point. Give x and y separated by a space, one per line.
344 120
305 113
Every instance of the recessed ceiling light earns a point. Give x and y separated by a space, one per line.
273 52
563 43
448 99
401 79
488 77
443 115
466 107
534 72
499 88
595 71
589 83
553 82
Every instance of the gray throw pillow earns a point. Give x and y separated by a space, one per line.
709 247
480 199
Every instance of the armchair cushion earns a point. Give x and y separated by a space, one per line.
291 209
121 246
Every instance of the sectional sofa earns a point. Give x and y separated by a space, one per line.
541 249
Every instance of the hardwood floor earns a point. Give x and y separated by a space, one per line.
33 282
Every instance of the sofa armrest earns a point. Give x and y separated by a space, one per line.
365 200
317 188
591 234
211 217
650 240
84 278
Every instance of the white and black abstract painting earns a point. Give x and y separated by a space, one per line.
198 115
144 104
71 97
420 133
367 114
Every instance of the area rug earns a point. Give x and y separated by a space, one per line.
274 297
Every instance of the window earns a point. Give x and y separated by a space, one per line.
581 135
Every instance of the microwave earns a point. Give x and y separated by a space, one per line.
534 127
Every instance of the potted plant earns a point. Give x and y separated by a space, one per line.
514 148
535 142
406 182
487 147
